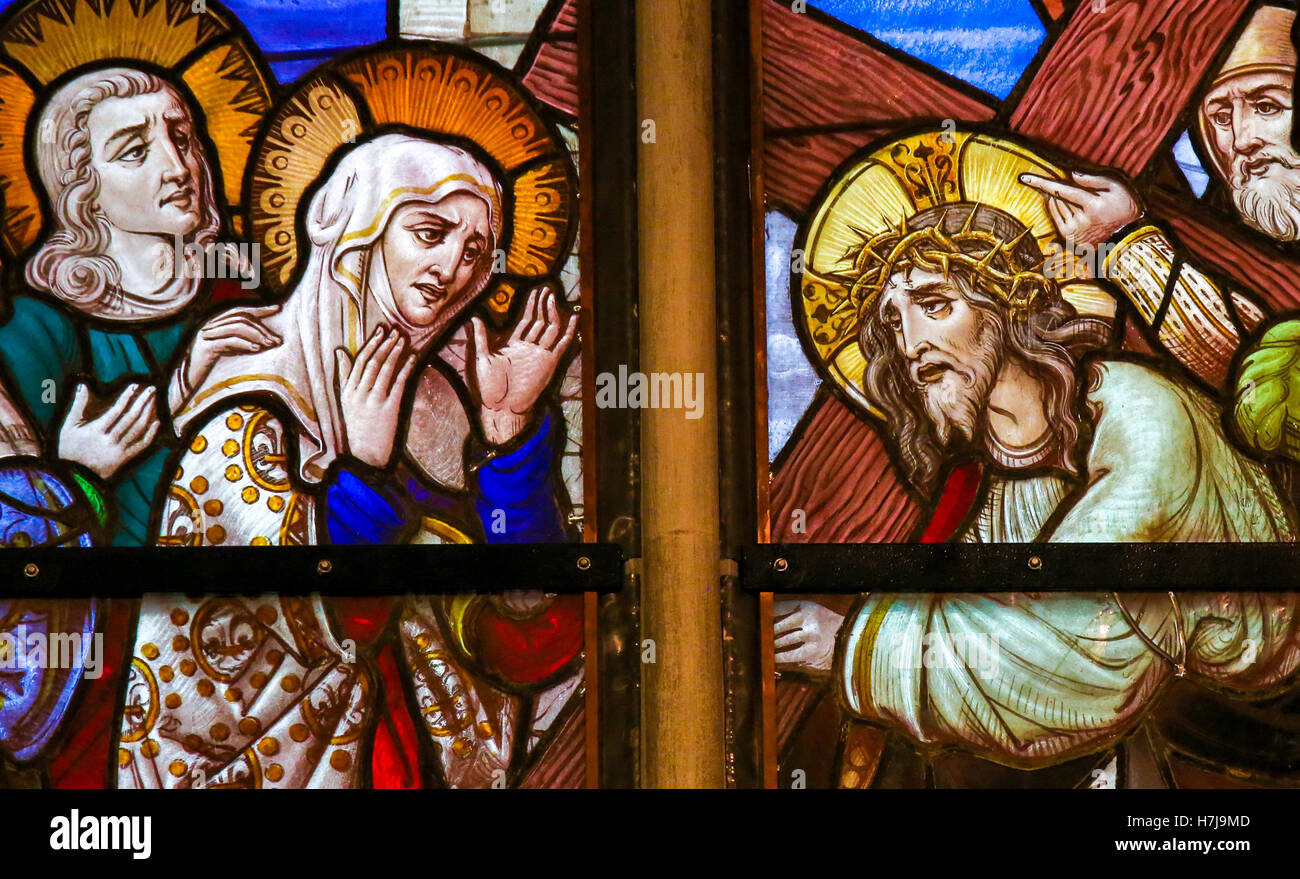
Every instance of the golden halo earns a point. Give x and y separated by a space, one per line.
436 89
880 190
40 40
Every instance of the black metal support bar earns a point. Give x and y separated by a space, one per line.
1021 567
129 572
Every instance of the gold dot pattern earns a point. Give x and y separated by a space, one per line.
224 502
266 706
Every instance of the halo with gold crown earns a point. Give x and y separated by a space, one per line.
439 89
209 52
875 194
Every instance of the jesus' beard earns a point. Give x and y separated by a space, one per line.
956 400
1270 201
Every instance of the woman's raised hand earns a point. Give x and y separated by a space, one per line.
508 380
370 394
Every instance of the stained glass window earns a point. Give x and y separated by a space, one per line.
1002 300
301 275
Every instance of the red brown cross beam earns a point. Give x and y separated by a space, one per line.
551 70
1113 89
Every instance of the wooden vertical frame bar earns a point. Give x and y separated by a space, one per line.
758 294
590 610
684 728
591 680
766 620
586 269
763 469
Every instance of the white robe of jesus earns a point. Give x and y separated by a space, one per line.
1030 680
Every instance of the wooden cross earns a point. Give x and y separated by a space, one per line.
549 63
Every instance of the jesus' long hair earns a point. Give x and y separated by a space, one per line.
1048 338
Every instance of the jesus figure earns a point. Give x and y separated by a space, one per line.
972 353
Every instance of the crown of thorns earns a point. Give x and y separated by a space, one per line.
1024 288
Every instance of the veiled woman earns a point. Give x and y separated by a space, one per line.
292 445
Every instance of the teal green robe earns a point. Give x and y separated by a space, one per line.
46 340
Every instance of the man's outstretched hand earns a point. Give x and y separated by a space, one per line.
1090 210
804 634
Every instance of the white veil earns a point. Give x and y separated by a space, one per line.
343 292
